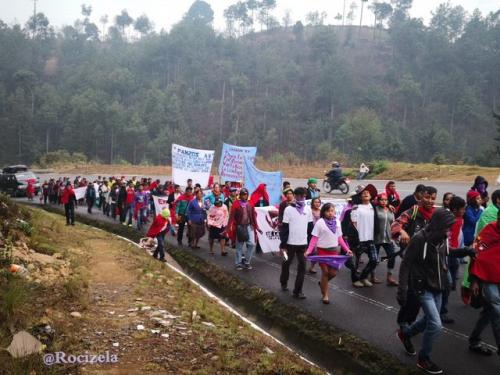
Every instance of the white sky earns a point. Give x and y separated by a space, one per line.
165 13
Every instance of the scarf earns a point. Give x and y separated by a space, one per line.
426 214
331 224
243 203
258 194
300 205
486 266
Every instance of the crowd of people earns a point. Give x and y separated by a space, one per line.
431 242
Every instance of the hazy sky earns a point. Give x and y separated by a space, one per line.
164 13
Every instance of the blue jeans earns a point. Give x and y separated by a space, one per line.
491 293
141 216
250 248
160 249
429 324
369 248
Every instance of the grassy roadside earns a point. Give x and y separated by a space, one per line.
325 343
116 287
383 170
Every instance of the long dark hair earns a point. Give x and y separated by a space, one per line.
314 200
325 208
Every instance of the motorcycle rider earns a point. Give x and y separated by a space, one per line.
335 174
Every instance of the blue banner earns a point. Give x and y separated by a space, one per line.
232 161
254 177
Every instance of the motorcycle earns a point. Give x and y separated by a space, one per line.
341 184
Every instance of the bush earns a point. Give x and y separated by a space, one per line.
439 159
379 167
277 158
61 157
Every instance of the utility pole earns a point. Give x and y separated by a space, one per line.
343 15
34 18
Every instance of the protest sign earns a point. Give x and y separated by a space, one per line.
267 220
80 192
232 161
160 203
191 163
254 177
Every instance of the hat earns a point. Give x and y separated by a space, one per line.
312 180
243 191
372 189
165 213
472 194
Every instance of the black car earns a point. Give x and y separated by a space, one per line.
14 180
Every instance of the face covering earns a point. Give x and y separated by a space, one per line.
331 224
300 205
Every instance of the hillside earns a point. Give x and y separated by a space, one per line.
403 91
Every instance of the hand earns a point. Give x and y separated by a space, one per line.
475 288
349 253
282 252
404 238
392 208
401 297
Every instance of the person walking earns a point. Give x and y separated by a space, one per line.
327 239
363 218
128 212
425 271
68 199
312 188
411 200
158 229
296 225
383 237
90 197
197 216
481 186
393 198
473 212
260 197
242 227
140 206
181 206
231 198
217 219
363 171
485 279
316 214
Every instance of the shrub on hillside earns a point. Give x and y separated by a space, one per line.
61 157
379 167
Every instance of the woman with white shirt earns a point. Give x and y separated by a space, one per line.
327 238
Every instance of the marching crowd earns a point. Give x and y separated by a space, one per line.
432 242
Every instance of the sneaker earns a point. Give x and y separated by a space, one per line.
239 267
248 266
358 284
130 225
366 282
299 295
409 348
374 280
480 349
284 288
428 366
445 319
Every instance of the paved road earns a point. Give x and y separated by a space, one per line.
369 313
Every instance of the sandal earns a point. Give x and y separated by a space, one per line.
325 301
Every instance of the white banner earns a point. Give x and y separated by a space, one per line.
80 192
191 163
232 161
267 220
160 203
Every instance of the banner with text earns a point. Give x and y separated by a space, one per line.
254 177
80 192
232 161
160 203
191 163
267 219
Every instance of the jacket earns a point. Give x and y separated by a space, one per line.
68 196
195 213
424 266
471 217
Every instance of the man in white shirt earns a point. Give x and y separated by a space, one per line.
363 218
296 225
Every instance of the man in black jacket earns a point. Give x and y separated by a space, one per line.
424 270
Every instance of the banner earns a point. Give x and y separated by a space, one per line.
267 220
80 192
191 163
232 161
254 177
160 203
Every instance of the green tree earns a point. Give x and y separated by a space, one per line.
200 11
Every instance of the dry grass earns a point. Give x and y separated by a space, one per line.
396 171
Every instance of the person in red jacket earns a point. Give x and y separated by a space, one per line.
158 229
68 199
30 189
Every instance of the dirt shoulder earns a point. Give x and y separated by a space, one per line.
391 171
125 303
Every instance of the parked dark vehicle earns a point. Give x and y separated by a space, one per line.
341 184
14 180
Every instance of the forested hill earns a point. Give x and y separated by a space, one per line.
401 91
